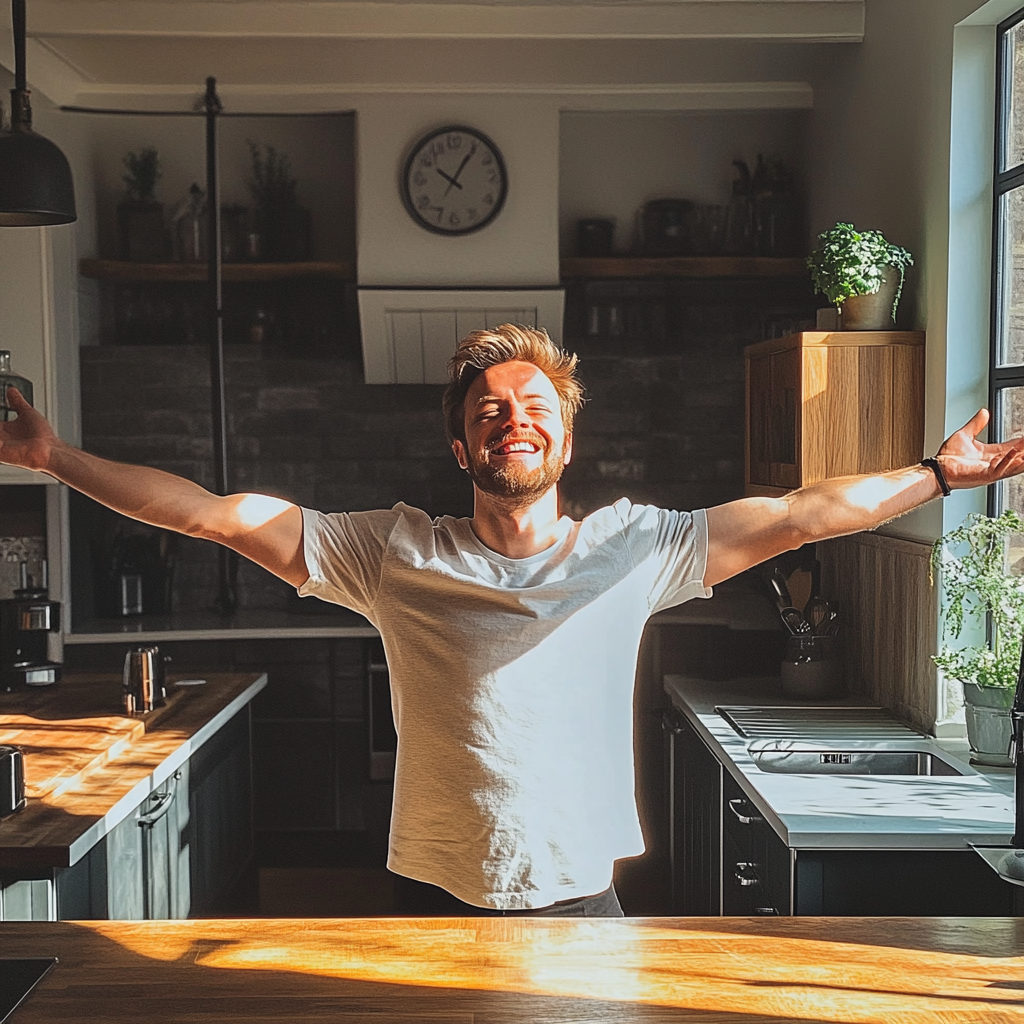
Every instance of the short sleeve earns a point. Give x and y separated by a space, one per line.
672 548
344 554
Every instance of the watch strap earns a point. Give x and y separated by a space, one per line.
933 465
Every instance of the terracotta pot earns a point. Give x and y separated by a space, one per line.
872 312
987 710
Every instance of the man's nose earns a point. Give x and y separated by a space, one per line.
516 415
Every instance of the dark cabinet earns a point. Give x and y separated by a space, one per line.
755 861
726 859
694 792
181 851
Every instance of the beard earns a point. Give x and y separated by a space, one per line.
515 483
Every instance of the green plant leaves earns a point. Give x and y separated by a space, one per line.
972 561
849 262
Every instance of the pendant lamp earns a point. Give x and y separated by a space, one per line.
35 178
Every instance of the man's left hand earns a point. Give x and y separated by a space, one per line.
968 462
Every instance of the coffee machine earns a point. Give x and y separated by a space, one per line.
26 621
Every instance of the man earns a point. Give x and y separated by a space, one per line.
512 637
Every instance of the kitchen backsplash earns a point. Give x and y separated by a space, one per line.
663 424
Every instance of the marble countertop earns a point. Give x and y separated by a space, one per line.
853 811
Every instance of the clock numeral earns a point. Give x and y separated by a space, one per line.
492 177
471 214
454 141
438 148
419 178
426 161
453 219
487 159
423 202
440 212
488 199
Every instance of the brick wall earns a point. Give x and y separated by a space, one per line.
664 420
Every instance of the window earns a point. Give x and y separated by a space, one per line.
1006 377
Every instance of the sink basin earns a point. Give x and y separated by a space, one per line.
851 762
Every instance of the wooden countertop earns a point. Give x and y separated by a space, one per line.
477 971
87 765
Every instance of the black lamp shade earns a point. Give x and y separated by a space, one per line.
35 181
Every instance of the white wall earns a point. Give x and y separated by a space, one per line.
520 247
612 163
880 156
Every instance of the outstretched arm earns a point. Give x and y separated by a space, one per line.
264 529
746 532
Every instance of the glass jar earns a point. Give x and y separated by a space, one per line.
8 378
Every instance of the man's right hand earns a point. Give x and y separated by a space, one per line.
28 440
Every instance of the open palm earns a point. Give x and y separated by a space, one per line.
968 462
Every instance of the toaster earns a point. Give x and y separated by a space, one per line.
12 780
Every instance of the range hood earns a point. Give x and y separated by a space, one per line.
409 334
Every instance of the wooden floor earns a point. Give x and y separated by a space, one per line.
528 970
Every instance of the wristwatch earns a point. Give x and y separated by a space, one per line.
933 465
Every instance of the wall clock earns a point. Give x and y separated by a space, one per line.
454 181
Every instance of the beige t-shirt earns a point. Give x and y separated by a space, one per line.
512 687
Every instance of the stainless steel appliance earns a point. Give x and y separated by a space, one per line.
26 621
143 684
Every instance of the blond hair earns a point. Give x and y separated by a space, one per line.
480 350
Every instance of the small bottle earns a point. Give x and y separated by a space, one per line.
8 378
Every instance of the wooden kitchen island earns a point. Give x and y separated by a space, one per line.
529 970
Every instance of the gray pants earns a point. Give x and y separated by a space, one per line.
421 899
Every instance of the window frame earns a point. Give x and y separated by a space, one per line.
1001 377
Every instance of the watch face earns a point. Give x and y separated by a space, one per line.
455 181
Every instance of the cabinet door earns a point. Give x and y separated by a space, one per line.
163 821
695 821
219 814
759 392
755 861
784 419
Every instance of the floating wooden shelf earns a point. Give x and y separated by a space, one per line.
122 270
683 266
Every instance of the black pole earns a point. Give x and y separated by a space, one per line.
1017 746
227 598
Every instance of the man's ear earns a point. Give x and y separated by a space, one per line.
459 450
567 452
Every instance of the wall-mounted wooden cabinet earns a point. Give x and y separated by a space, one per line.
823 405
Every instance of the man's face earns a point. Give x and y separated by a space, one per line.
516 444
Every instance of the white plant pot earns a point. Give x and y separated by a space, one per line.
987 710
872 312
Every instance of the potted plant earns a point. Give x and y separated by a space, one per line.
861 274
140 218
283 226
978 585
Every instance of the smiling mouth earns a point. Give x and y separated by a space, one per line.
515 447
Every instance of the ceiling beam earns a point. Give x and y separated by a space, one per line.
803 20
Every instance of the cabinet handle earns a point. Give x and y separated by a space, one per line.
162 806
746 874
743 819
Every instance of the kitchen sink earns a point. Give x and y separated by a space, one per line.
851 762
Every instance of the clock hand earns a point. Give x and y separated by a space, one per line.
451 181
458 173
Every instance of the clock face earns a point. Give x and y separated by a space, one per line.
455 181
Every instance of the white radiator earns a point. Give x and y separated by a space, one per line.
410 334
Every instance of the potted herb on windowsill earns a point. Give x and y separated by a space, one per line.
978 586
141 235
861 274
